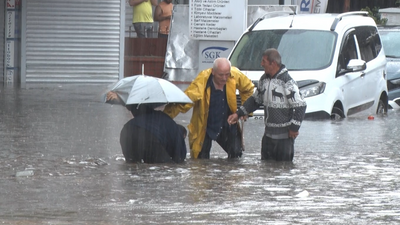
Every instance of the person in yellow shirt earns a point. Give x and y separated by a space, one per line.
143 17
163 14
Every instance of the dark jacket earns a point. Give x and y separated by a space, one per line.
152 137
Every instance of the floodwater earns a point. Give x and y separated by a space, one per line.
61 163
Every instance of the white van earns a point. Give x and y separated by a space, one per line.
337 60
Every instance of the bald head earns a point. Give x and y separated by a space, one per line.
221 71
221 63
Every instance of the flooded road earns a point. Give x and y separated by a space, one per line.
61 163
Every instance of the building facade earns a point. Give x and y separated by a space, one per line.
83 41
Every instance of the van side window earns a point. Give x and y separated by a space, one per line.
348 52
369 42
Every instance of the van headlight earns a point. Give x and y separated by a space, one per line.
313 89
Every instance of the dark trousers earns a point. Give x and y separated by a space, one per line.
162 35
231 142
277 149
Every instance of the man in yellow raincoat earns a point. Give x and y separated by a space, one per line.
213 93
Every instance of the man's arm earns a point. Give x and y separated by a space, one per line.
254 101
173 109
195 92
298 104
136 2
249 106
157 14
244 85
154 2
246 89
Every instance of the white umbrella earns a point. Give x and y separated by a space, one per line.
142 89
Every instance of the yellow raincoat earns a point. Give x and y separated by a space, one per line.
200 96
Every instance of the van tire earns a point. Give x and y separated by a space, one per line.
337 114
382 108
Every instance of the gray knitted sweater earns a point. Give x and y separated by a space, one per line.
284 106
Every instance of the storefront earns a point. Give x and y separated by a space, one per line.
83 41
2 41
72 41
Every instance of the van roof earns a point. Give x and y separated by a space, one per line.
323 21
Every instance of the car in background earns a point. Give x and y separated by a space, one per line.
390 37
337 60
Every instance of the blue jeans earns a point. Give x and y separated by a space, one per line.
143 30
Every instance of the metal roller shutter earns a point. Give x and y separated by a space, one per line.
2 39
72 40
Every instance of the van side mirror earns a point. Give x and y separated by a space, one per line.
356 65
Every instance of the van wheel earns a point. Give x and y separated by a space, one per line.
337 114
381 109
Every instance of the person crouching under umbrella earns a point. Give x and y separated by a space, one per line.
152 136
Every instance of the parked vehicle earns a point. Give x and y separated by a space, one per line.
390 37
337 60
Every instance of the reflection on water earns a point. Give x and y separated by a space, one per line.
344 172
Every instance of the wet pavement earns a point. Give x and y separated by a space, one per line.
61 163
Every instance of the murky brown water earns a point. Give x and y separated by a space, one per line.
345 172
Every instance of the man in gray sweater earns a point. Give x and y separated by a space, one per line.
284 108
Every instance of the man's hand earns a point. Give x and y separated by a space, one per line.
232 119
112 96
293 134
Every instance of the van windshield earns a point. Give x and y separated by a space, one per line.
391 42
300 49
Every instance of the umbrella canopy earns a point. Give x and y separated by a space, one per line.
142 89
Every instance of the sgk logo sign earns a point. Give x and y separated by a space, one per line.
213 52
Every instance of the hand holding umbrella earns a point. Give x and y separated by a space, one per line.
112 97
